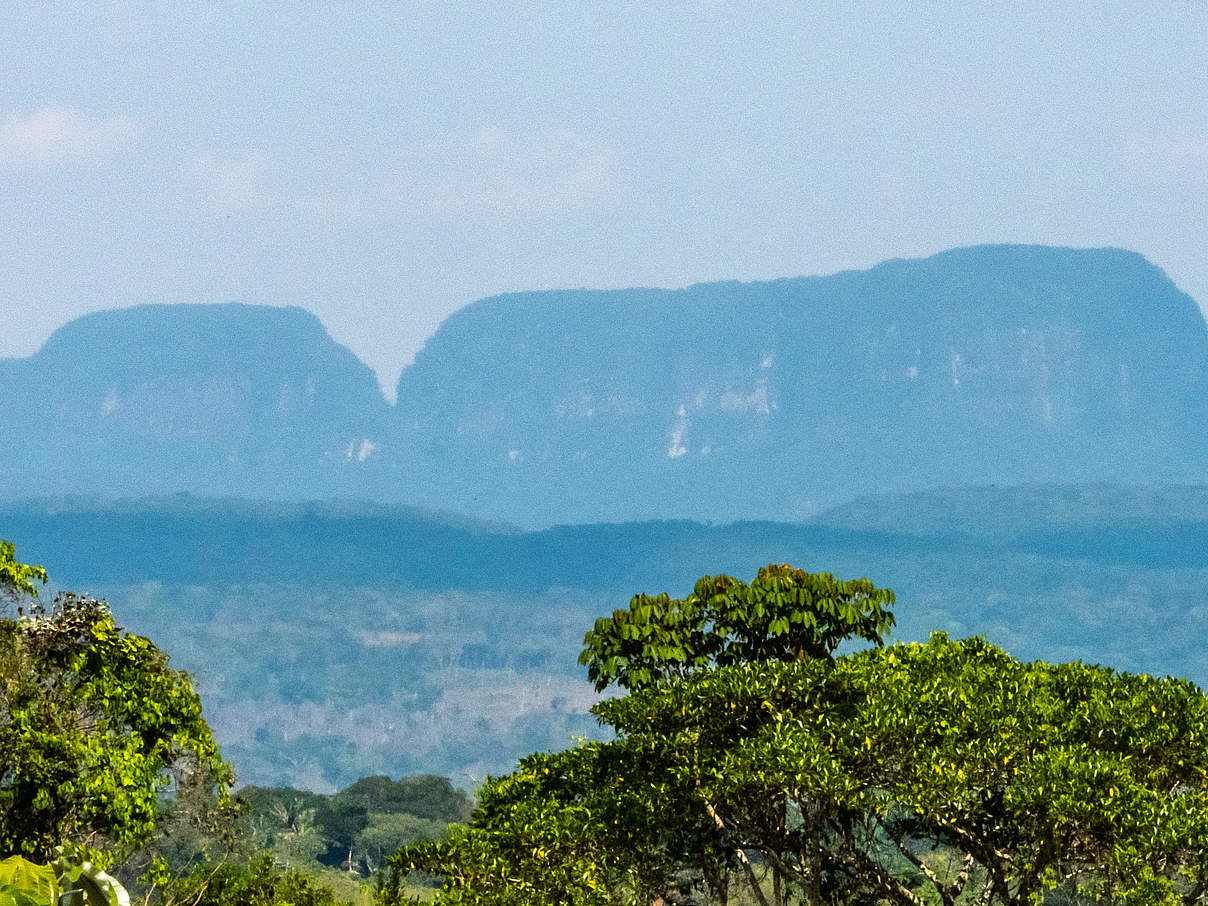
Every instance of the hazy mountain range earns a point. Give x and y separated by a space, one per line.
724 401
1060 396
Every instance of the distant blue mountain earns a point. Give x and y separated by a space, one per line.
217 399
987 365
996 364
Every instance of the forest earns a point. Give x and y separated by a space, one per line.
765 745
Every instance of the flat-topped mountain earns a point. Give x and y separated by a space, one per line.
987 365
997 364
213 399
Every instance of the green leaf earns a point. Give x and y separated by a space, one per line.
26 884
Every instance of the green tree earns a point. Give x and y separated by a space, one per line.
784 614
94 725
616 821
17 579
942 774
422 795
339 821
261 883
573 827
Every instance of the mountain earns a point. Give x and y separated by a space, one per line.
996 364
1006 365
213 399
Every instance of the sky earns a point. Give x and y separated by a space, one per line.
384 164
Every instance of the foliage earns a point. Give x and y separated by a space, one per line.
752 759
784 614
565 827
70 880
356 828
17 578
93 725
917 773
422 795
260 883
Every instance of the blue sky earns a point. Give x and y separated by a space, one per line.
384 164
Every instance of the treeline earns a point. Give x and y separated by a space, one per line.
355 829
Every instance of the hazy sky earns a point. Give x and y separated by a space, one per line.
384 164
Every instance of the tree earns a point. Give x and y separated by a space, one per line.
259 883
615 820
17 579
422 795
94 724
945 773
785 614
574 827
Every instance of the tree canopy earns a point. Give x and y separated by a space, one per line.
17 578
942 773
94 724
784 614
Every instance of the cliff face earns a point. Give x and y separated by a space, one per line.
213 399
1000 364
997 364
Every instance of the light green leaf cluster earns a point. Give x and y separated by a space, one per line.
93 723
18 578
70 880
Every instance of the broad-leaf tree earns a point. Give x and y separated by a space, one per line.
17 579
93 724
943 773
749 756
785 614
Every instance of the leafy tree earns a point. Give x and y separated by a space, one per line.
784 614
748 756
423 795
339 821
943 773
573 827
614 820
94 724
388 832
17 579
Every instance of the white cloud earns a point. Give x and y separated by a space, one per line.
234 185
511 174
60 134
1185 149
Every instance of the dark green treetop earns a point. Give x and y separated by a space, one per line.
785 614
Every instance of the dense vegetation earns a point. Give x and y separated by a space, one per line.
771 771
469 635
757 756
105 759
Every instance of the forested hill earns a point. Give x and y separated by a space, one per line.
203 542
719 402
470 631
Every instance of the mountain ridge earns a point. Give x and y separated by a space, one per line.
778 399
